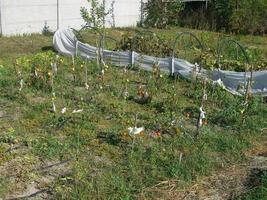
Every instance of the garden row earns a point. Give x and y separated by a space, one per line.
227 54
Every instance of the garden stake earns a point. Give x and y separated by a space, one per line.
86 73
53 102
201 109
73 69
104 67
21 84
54 65
54 68
98 55
125 82
180 157
248 95
135 125
194 76
52 79
156 72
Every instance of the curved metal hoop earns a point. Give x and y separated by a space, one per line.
104 39
142 32
228 42
95 31
179 35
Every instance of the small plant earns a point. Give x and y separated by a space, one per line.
37 71
156 73
46 30
143 97
96 19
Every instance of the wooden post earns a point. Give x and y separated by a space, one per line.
249 86
204 98
86 73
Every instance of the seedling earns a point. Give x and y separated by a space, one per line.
156 75
143 97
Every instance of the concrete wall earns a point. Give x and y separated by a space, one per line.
29 16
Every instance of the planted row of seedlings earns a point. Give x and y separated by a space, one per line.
79 68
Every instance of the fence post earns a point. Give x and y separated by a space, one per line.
76 48
172 66
132 59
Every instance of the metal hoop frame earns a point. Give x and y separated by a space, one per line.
142 32
228 42
179 35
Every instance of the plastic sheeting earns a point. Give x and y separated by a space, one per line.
66 43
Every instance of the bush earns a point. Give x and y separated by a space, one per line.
145 43
159 14
250 17
245 17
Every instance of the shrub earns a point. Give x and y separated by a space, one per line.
250 17
148 44
246 17
159 14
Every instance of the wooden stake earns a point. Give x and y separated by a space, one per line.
204 98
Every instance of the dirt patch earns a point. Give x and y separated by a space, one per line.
37 100
40 186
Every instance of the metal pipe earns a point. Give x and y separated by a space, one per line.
0 19
57 14
142 13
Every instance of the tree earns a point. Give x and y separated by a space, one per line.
160 13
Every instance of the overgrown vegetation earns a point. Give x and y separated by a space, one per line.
239 17
160 13
145 42
257 192
89 128
227 56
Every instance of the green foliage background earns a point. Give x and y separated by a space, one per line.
235 16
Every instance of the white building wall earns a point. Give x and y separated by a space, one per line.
29 16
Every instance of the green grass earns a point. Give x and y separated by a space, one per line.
259 192
105 161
